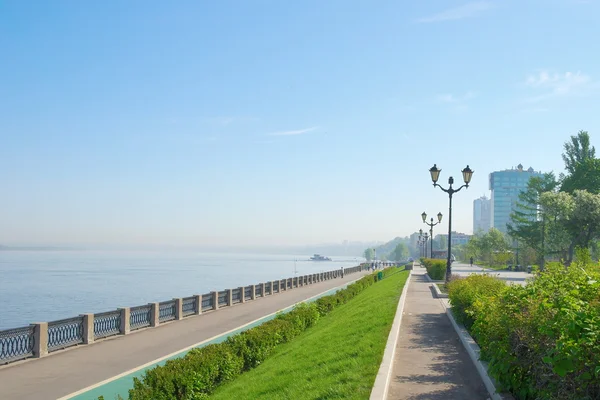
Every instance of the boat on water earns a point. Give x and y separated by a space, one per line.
318 257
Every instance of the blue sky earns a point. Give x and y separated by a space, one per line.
272 122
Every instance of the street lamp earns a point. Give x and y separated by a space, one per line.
435 175
420 242
431 225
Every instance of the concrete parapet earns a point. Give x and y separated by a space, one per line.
125 320
178 308
215 296
40 338
88 328
154 314
198 301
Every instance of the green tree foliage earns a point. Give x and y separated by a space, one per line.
400 252
577 151
585 176
529 221
491 247
575 220
369 254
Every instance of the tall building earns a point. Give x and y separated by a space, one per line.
506 186
482 214
457 238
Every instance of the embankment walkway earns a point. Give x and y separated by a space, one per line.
66 372
430 361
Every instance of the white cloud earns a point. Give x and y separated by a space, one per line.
294 132
468 10
557 84
453 99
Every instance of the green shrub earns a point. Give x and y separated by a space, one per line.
464 292
542 340
436 269
196 375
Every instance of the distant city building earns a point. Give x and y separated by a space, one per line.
506 186
482 214
457 238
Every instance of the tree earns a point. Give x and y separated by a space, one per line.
575 219
577 151
400 252
442 243
369 254
584 176
529 222
490 247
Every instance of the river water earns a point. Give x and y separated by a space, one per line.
38 286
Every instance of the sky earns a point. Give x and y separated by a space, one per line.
276 122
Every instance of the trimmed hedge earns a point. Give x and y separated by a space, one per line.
542 340
436 268
197 374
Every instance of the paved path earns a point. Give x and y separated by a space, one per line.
519 277
65 372
430 361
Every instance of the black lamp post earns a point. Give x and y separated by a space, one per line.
431 225
423 243
435 174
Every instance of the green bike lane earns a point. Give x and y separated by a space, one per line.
107 368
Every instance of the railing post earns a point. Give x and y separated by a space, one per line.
342 272
40 338
262 287
242 294
125 320
229 297
178 308
215 296
198 301
88 328
253 293
154 314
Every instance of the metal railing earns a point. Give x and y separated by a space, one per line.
16 344
140 317
223 300
65 333
21 343
107 324
167 311
207 302
188 306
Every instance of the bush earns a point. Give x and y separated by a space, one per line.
542 340
436 269
464 292
196 375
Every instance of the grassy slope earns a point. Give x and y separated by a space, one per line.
337 359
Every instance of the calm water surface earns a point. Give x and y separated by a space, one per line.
38 286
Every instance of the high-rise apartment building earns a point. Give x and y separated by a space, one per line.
482 214
506 186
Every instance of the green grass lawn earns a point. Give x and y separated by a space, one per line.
336 359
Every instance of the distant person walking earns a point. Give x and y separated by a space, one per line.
471 260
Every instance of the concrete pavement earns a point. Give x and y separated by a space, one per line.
517 277
430 361
68 371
